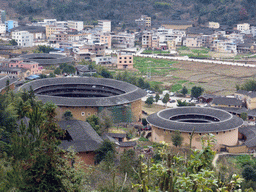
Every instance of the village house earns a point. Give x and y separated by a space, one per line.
32 66
124 61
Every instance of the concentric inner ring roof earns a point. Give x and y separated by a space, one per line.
47 59
104 92
199 120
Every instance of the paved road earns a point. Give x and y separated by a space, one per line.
195 60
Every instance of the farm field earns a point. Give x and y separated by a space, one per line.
214 78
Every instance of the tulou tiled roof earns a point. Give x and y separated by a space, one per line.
250 133
131 92
3 80
117 135
251 94
227 101
226 121
84 137
47 59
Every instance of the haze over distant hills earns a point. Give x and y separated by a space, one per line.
125 11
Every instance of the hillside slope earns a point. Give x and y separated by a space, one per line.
125 11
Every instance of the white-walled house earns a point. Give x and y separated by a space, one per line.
23 38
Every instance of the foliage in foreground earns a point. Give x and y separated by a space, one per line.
31 159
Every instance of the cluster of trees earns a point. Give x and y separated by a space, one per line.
65 68
124 76
249 85
184 103
30 159
102 122
43 49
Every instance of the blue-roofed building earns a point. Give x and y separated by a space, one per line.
10 25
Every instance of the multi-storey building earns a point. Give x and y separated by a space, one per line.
243 27
106 39
143 21
106 61
104 25
10 24
147 40
32 66
2 29
23 38
124 61
51 29
2 16
77 25
193 42
59 36
214 25
123 40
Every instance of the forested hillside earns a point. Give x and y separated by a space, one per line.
125 11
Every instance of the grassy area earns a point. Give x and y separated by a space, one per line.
182 81
153 83
176 87
155 52
201 51
118 130
157 66
183 48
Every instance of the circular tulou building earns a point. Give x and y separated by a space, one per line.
197 121
87 96
46 59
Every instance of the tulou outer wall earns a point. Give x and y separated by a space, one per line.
229 138
81 113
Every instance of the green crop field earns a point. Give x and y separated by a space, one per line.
157 66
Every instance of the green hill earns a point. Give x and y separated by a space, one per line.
125 11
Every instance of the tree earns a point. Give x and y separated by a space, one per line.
249 173
177 138
106 120
249 85
106 74
141 83
149 101
157 97
52 75
196 91
13 42
181 103
184 90
244 116
94 121
37 163
69 69
44 49
166 98
105 150
144 121
68 115
57 71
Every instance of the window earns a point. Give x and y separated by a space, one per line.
120 61
120 57
83 113
125 58
88 114
130 58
